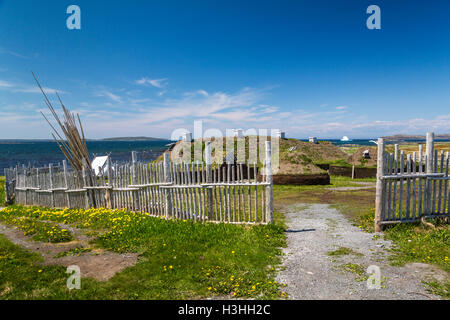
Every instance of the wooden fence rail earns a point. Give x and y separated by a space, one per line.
411 186
229 192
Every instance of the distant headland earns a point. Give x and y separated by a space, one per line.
408 137
134 139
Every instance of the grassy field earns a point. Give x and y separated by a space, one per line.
178 259
182 259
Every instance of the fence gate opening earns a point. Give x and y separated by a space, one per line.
228 192
411 186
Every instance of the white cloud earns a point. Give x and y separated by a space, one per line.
245 108
203 93
23 88
158 83
110 95
5 84
13 53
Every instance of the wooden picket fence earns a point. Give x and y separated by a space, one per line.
228 192
411 186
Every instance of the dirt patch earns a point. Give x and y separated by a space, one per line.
98 264
302 179
359 173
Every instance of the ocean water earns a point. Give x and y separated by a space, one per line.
40 153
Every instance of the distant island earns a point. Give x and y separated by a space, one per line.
134 139
407 137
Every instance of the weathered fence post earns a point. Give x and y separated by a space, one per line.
167 179
9 184
428 170
108 192
380 184
353 171
209 192
88 195
134 180
50 176
38 186
66 182
269 180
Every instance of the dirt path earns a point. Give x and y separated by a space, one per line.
97 263
311 273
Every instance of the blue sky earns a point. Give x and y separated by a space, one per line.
311 68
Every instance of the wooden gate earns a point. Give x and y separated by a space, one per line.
411 186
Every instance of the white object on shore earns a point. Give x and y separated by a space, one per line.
100 162
238 133
313 139
187 136
280 134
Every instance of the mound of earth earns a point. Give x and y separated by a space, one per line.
357 158
296 157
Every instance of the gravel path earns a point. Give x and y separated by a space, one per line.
310 273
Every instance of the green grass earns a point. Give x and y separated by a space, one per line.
358 270
2 191
342 251
418 244
339 162
41 231
438 288
312 193
178 259
415 242
73 252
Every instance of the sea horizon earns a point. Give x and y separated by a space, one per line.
42 152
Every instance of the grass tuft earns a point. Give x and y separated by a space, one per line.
342 251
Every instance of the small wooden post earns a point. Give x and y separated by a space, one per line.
167 194
353 171
209 191
66 182
135 194
269 179
38 185
110 184
50 176
7 189
429 169
379 190
86 184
